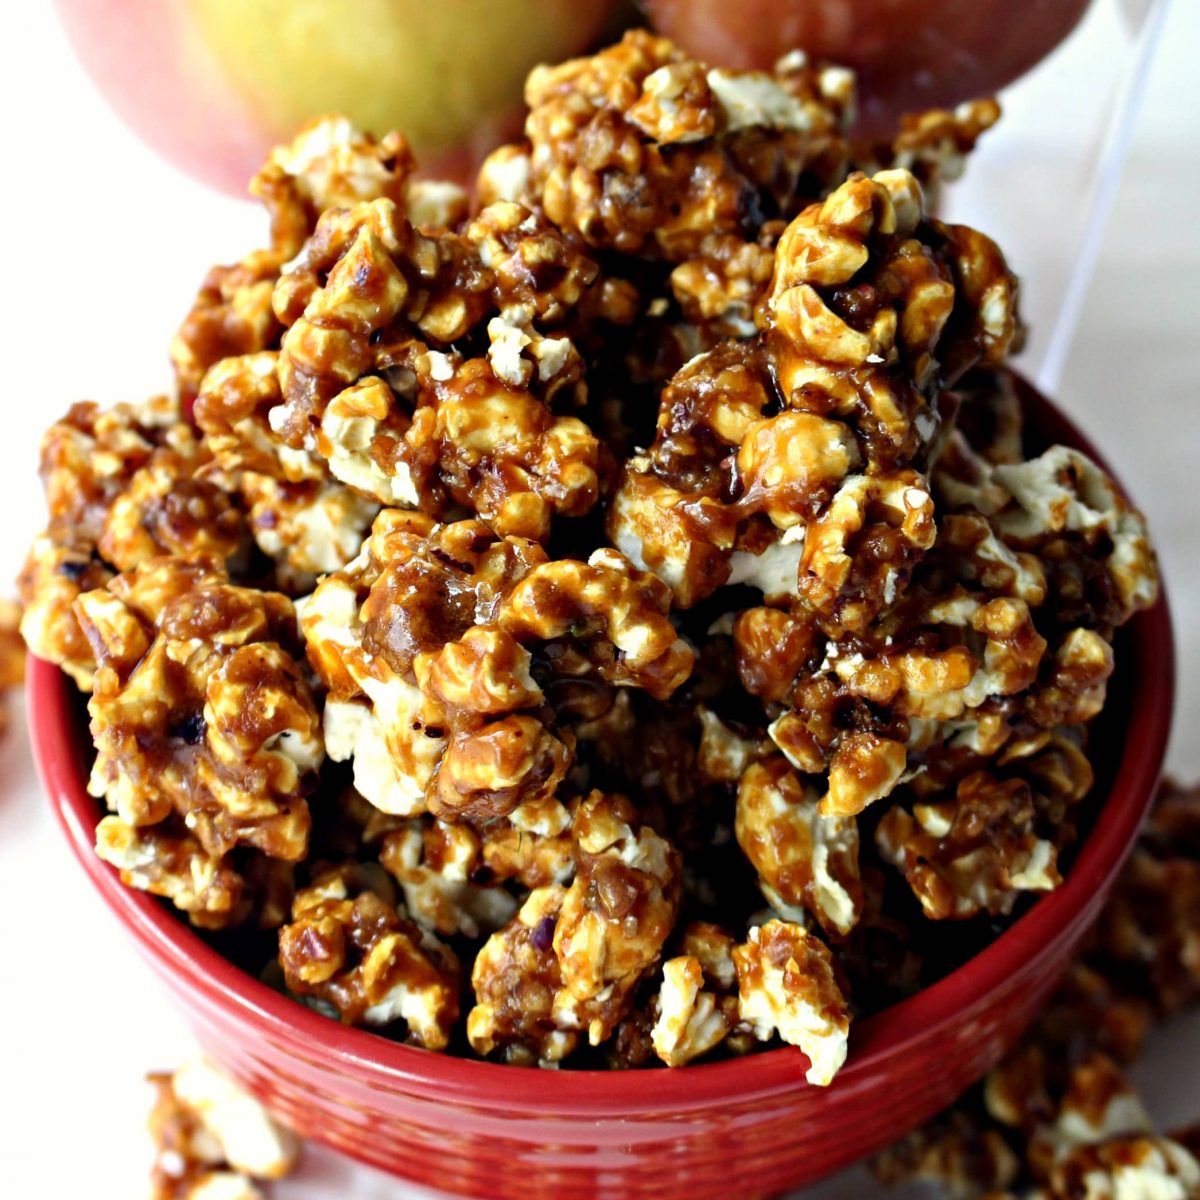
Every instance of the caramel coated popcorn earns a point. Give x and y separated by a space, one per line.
737 489
213 1141
206 729
641 150
369 378
786 985
568 962
616 619
122 485
807 862
329 164
349 948
427 642
1059 1118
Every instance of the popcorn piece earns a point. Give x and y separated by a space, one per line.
120 487
772 647
1064 493
1058 1098
211 1137
934 145
712 947
356 422
920 697
640 150
299 516
233 409
532 859
1150 925
409 425
786 984
329 164
1140 1166
367 267
347 946
973 853
686 543
250 1140
521 1008
166 509
864 768
501 451
622 904
691 1021
414 589
308 528
177 866
723 754
869 538
719 286
436 865
927 301
569 961
199 709
231 315
52 578
616 615
807 862
519 354
1117 1018
955 1151
1174 823
837 472
467 733
672 512
90 456
1097 1105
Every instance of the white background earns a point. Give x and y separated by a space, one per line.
102 247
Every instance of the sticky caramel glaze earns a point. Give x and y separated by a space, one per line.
200 704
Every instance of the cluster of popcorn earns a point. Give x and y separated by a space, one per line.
213 1141
1058 1118
653 542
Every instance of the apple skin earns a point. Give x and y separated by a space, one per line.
213 84
909 54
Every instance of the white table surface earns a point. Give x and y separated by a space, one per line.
103 249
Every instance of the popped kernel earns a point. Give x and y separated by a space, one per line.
786 985
807 861
212 1139
567 964
200 709
975 852
691 1021
349 947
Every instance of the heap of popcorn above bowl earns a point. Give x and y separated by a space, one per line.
621 619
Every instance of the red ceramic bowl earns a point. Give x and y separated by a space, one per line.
745 1127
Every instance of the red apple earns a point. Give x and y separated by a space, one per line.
909 54
213 84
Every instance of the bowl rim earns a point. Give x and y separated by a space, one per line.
232 993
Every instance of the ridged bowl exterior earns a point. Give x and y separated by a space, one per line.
745 1127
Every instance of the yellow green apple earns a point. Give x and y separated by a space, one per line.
213 84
